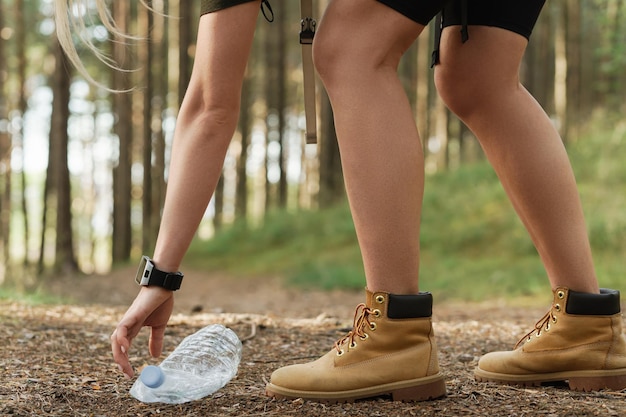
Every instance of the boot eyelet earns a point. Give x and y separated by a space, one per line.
553 319
380 299
557 307
340 352
352 345
376 313
547 327
364 337
560 294
372 326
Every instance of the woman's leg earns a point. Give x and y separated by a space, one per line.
580 339
356 52
391 348
206 123
479 81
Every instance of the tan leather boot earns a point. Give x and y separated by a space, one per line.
580 340
390 350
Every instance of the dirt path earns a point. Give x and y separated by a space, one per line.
55 360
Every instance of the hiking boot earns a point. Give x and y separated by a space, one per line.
391 350
579 340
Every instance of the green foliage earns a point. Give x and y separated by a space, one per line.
37 297
283 244
473 245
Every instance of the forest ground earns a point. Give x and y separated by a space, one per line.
55 359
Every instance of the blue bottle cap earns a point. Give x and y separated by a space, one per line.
152 376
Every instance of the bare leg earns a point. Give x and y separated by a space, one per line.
356 52
205 126
391 349
479 81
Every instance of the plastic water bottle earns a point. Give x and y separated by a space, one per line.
203 363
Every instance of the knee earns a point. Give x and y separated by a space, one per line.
458 88
341 58
328 58
471 89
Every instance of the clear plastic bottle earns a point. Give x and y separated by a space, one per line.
203 363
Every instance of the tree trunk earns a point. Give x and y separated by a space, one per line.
161 91
122 108
422 83
5 163
574 63
20 44
245 128
440 150
271 88
560 66
151 127
331 188
60 199
185 39
281 105
537 73
218 217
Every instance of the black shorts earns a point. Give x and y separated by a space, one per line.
518 16
208 6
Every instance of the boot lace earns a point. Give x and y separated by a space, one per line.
360 324
543 325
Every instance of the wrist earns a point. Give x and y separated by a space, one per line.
149 275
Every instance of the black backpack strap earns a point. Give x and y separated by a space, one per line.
437 44
439 28
307 32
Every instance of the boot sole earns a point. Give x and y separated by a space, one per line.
421 389
577 380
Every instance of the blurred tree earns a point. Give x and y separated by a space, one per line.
186 25
573 53
559 13
154 54
123 128
245 131
331 187
57 196
22 106
281 99
5 158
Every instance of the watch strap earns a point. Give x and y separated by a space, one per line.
167 280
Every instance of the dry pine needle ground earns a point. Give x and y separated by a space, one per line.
55 361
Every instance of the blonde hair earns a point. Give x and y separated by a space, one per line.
70 20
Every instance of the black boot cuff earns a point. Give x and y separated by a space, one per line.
410 306
604 304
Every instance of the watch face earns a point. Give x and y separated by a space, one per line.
144 271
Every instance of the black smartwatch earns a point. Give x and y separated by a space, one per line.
148 274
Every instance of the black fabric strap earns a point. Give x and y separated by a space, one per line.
604 304
166 280
434 60
464 29
439 28
410 306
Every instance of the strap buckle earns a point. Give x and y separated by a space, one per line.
307 30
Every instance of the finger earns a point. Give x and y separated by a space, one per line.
120 346
156 341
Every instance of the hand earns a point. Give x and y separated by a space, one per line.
152 308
